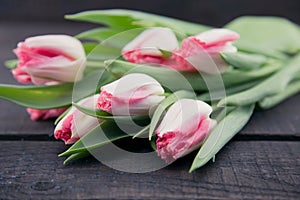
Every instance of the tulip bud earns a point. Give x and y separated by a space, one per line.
133 94
202 52
183 128
49 59
145 48
77 124
36 114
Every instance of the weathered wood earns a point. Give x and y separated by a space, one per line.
243 170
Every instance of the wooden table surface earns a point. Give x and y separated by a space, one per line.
261 162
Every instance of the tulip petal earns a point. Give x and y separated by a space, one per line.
145 47
216 37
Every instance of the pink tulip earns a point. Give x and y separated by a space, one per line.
202 52
77 124
49 59
145 48
133 94
36 114
183 129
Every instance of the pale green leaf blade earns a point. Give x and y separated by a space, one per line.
270 86
103 134
243 60
267 33
221 134
97 34
54 96
271 101
76 156
128 19
182 80
11 64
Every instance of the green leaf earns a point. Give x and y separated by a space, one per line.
54 96
97 34
221 134
243 60
165 53
266 33
271 101
144 130
128 19
103 134
183 80
164 104
274 84
76 156
11 64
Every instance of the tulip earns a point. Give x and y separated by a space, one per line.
36 114
145 48
202 52
183 128
49 59
76 124
133 94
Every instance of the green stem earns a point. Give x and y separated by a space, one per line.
273 85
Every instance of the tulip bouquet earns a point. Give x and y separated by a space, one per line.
167 84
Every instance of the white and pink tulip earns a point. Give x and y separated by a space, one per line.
183 129
49 59
76 124
133 94
200 52
145 48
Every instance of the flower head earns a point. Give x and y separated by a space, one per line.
202 52
145 48
76 124
133 94
49 59
183 128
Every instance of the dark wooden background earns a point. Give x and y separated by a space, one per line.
261 162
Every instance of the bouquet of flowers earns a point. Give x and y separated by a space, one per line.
152 89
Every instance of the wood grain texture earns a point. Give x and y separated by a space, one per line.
243 170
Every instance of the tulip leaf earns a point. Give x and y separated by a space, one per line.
53 96
221 134
271 101
165 53
76 156
128 19
271 86
184 80
144 130
97 34
11 64
164 104
107 116
103 134
243 60
266 34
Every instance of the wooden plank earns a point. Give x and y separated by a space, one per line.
243 170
